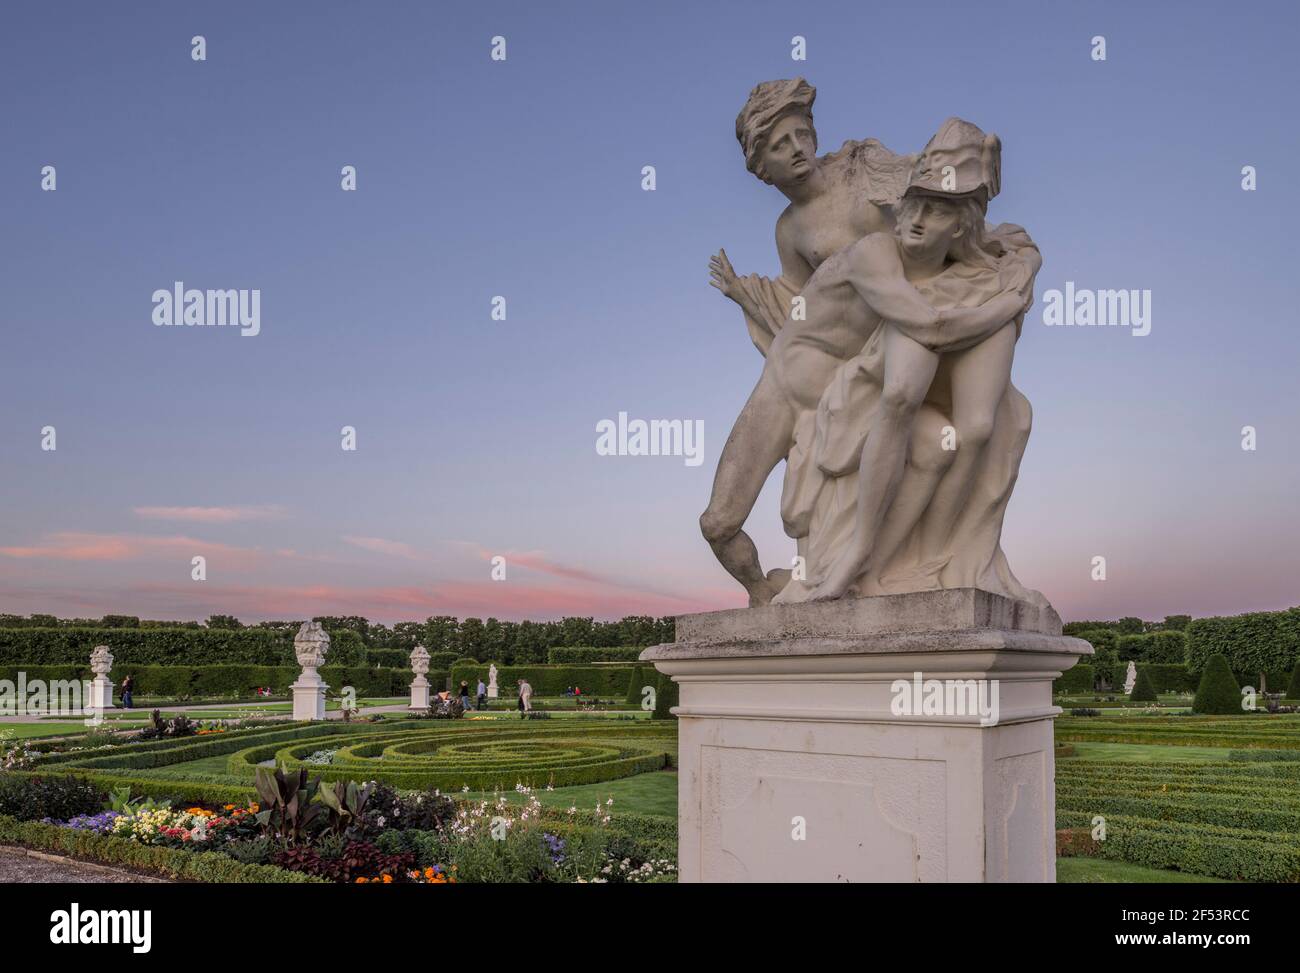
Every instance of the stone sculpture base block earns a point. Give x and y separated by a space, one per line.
309 699
799 760
101 695
419 694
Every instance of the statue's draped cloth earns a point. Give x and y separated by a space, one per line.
820 493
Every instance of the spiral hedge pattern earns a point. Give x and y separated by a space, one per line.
452 757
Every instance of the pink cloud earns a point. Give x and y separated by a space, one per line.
381 546
80 546
505 600
210 515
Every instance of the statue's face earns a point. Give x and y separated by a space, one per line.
790 151
928 226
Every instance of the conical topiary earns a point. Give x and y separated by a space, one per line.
634 684
1294 691
666 696
1219 691
1143 691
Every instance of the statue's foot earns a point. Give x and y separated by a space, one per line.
761 593
794 593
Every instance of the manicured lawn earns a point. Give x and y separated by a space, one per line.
1146 753
654 793
1078 870
27 731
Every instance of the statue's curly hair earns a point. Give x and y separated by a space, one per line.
767 104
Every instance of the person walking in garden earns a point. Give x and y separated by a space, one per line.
464 695
481 696
525 698
128 690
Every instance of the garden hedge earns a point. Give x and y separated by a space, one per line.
175 863
1293 691
1219 691
1231 853
667 696
607 679
184 682
167 646
1143 690
434 754
585 654
1254 642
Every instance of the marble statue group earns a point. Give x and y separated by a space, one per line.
888 340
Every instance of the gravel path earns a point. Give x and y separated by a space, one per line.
20 865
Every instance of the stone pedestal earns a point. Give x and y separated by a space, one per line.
904 738
309 696
419 694
101 695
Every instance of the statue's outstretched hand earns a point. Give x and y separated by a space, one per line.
724 278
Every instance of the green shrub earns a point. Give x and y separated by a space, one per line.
1132 648
1169 678
1166 648
176 863
1219 691
585 654
1254 642
666 696
166 646
1079 678
33 797
1143 691
1293 691
595 680
634 685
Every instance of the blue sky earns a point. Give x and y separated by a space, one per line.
522 178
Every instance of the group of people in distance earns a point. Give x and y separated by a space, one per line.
525 703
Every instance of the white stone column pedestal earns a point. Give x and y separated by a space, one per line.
419 694
309 696
799 760
101 695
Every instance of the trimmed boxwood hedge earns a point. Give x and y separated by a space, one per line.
607 679
426 754
184 682
1254 642
1219 691
586 654
167 646
176 863
1143 691
1231 853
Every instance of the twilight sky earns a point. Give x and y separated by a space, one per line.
522 178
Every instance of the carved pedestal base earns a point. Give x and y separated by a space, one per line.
309 696
419 694
906 738
101 695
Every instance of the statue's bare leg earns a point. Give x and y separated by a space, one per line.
909 370
980 376
926 464
759 440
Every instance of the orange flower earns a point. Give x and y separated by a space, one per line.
362 881
388 879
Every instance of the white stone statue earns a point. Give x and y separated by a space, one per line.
887 390
492 682
1130 678
101 688
420 686
311 645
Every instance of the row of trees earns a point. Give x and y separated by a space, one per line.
512 642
